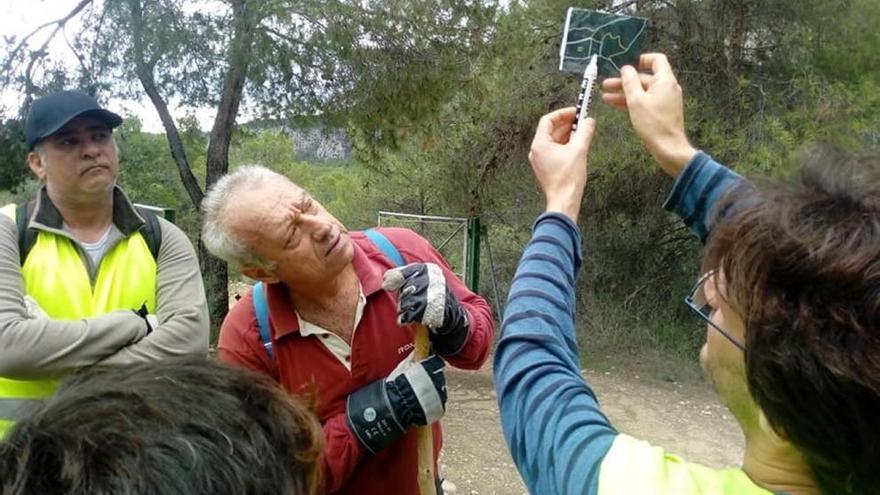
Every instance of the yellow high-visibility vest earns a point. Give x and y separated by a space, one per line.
635 467
56 277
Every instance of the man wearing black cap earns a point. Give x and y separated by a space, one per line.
86 277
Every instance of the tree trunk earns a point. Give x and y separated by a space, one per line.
214 270
735 47
737 36
215 276
144 69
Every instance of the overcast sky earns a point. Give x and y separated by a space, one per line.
19 17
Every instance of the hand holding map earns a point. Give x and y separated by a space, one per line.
597 43
615 39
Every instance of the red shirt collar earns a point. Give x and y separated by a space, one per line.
369 265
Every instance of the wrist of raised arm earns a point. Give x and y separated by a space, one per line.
674 156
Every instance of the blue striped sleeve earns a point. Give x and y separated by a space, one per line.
556 432
696 190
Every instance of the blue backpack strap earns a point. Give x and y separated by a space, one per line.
385 246
262 310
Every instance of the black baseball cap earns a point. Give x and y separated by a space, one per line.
52 112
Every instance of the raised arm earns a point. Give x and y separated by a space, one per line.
556 432
653 99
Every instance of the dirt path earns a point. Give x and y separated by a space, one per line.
686 419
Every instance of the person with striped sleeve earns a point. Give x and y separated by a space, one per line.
789 295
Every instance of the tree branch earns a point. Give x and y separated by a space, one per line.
58 23
233 86
317 22
621 7
79 57
145 75
283 36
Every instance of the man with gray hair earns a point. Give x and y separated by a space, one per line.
85 276
320 324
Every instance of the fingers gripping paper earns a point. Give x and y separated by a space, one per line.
616 40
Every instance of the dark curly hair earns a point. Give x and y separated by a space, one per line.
188 426
802 264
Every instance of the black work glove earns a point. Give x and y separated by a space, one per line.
423 297
413 394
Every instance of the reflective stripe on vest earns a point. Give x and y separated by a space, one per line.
56 277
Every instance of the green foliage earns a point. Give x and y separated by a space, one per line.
383 66
762 79
416 56
13 152
149 175
267 148
441 99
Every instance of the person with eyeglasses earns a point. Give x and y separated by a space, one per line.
790 294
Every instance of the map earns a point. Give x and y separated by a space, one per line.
616 39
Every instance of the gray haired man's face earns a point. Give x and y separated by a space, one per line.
292 231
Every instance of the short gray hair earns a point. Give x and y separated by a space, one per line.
218 203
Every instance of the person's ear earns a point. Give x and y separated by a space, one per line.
258 273
36 165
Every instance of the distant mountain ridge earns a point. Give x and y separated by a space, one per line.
320 144
310 143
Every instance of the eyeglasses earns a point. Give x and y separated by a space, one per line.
698 303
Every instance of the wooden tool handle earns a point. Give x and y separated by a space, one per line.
426 477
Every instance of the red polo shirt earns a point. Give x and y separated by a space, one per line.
305 366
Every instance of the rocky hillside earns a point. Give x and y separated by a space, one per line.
313 143
317 144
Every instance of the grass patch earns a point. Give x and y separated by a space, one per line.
659 346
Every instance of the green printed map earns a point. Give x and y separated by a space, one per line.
617 39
